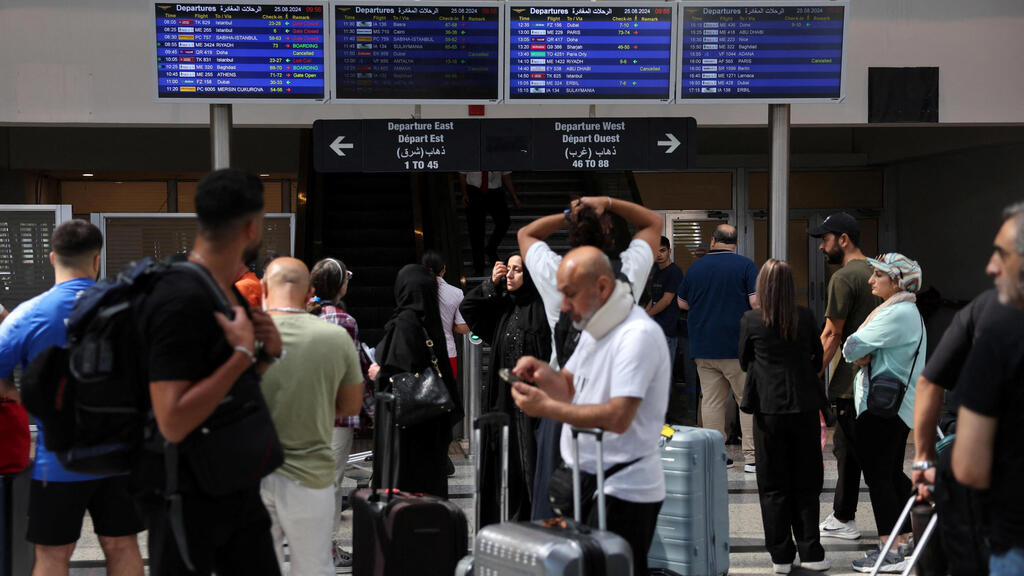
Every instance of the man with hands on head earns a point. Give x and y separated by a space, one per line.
618 380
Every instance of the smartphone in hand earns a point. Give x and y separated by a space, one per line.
507 375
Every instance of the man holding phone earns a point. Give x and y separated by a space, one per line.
618 380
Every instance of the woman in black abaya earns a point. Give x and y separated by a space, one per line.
420 460
507 313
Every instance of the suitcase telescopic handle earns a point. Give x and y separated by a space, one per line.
483 421
598 434
884 548
385 401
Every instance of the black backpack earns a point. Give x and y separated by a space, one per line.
92 396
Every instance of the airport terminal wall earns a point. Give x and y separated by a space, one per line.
89 62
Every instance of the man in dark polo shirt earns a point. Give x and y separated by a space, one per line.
717 290
849 303
988 453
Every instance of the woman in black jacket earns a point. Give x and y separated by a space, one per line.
508 314
421 451
781 353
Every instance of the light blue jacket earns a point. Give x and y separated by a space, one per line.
892 339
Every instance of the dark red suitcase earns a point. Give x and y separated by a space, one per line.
396 533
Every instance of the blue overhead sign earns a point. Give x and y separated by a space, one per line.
763 51
240 52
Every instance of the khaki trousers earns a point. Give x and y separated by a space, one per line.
720 378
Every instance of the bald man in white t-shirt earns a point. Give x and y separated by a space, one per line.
617 380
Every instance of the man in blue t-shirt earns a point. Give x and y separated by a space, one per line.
58 498
664 282
717 290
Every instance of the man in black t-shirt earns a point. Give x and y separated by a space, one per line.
963 512
664 282
204 377
988 452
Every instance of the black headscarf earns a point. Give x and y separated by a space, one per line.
403 347
528 291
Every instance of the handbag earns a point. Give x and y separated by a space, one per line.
421 396
560 488
885 393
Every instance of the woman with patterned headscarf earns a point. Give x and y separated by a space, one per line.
890 343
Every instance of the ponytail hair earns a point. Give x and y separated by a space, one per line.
327 278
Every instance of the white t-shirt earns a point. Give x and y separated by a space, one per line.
630 361
449 298
542 262
493 179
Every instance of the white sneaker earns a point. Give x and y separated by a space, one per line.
782 568
750 468
819 566
832 528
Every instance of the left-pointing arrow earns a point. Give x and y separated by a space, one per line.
338 145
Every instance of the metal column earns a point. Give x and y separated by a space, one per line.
472 379
778 222
220 136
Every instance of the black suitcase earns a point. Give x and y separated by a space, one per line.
395 533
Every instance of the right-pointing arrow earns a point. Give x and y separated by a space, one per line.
672 143
338 146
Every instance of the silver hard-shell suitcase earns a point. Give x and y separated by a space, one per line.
692 534
548 548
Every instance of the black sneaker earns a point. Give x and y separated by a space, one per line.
729 463
451 467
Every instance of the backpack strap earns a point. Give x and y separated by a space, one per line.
174 503
171 455
212 287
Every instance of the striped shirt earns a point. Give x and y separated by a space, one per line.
449 298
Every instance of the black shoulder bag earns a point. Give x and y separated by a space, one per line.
421 396
885 393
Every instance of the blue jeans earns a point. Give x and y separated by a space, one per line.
1010 563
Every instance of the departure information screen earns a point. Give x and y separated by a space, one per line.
417 52
763 52
590 52
240 51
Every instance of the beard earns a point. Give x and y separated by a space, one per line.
252 252
834 256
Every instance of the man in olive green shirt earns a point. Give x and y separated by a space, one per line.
849 303
317 379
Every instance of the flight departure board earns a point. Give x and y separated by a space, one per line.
590 52
245 52
763 51
418 51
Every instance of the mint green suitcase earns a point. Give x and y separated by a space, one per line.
692 535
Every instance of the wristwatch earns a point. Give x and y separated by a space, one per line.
922 465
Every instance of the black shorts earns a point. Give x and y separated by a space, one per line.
56 509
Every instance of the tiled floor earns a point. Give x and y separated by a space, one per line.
746 537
